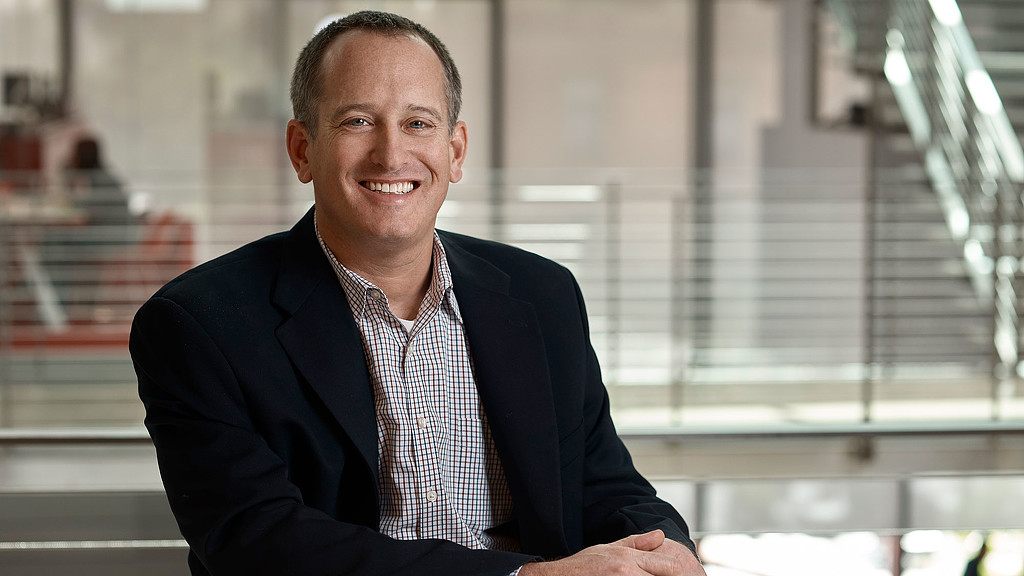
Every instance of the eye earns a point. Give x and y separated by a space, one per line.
418 125
356 122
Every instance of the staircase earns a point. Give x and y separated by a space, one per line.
947 228
995 26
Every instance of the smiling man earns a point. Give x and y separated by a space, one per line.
365 395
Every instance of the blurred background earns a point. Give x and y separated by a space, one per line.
798 224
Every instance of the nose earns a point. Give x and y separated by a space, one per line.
389 149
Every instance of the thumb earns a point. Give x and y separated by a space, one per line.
646 542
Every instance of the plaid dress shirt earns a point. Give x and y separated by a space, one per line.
439 473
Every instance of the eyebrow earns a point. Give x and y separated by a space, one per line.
426 110
343 111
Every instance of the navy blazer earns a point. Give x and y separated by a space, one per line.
260 405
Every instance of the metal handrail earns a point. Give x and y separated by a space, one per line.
858 430
104 436
36 436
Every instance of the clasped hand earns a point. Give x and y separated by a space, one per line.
650 554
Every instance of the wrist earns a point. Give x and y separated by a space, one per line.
529 569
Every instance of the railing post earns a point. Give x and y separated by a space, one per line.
613 280
870 232
681 330
878 28
497 121
6 321
703 211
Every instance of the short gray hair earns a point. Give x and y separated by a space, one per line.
307 87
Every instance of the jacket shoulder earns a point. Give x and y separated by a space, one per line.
509 259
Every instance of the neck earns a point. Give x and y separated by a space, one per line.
402 272
405 283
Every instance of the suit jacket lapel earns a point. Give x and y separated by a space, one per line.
322 339
510 366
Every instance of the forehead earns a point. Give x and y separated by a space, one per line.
361 56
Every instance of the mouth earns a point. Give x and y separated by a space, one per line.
390 187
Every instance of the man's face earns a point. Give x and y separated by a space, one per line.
383 155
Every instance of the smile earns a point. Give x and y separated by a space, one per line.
389 187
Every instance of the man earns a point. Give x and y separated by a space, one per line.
361 395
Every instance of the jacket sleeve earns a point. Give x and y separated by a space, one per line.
231 494
617 500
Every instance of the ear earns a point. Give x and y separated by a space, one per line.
298 145
457 150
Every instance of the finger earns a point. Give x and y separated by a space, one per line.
659 564
647 541
629 540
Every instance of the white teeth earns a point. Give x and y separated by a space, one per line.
390 188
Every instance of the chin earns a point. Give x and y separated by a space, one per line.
394 236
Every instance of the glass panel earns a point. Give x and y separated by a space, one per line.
801 506
682 495
978 502
745 306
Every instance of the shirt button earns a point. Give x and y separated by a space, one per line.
376 294
431 495
422 422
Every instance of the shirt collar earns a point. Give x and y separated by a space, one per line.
359 289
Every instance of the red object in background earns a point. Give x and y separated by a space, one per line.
166 249
20 152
